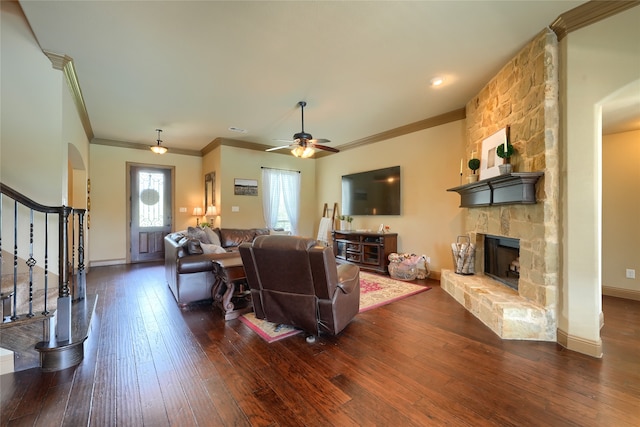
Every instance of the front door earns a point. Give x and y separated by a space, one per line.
150 212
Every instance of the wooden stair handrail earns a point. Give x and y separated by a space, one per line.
5 189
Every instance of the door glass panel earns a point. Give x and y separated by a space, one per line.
151 200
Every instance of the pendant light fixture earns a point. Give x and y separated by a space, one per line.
158 149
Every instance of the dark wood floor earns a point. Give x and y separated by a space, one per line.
420 361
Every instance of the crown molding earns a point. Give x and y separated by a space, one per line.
233 143
427 123
145 147
430 122
587 14
64 63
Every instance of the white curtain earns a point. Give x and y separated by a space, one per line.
270 196
291 196
285 184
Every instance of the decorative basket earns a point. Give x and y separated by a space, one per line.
403 266
402 272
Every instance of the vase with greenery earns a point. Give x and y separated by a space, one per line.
506 167
345 222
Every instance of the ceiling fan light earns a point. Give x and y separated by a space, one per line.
158 149
303 152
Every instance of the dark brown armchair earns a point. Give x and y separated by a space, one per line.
296 282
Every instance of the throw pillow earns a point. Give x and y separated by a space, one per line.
212 249
194 247
214 239
198 234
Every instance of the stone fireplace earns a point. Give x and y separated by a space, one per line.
523 95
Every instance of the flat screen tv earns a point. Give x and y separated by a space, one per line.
375 192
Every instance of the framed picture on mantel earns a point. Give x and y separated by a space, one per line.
489 160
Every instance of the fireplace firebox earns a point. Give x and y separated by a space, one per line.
502 259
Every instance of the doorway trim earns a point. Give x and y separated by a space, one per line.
130 165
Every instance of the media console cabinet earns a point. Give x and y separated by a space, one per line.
370 251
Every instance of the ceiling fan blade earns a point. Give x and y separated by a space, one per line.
322 140
278 148
325 148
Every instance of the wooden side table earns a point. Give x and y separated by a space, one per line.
230 291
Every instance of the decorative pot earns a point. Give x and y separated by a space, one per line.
472 178
345 226
505 168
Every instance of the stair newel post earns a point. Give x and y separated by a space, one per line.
81 280
63 324
72 252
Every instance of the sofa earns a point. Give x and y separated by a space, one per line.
189 256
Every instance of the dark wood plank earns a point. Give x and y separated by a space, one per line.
423 360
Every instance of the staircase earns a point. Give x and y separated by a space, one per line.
46 315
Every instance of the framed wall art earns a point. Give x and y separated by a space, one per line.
489 160
245 187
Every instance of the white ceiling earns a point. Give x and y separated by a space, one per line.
195 69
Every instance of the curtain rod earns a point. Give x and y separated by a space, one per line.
288 170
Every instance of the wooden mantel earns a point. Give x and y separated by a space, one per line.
513 188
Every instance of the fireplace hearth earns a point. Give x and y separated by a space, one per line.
502 259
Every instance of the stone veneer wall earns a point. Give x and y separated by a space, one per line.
523 95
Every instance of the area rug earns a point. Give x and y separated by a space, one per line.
375 291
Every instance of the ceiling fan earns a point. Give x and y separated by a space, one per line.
303 144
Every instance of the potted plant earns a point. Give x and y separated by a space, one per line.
345 222
505 168
474 165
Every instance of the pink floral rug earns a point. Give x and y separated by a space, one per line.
375 291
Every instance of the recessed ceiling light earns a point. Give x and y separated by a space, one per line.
239 130
437 81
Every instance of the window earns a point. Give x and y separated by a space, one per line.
281 198
150 199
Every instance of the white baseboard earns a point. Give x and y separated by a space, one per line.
107 262
581 345
621 293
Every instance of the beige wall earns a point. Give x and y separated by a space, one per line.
621 211
246 164
596 61
32 113
429 164
41 133
109 227
211 163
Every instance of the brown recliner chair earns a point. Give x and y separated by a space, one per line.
296 282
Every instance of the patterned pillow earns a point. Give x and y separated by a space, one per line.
194 247
198 234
